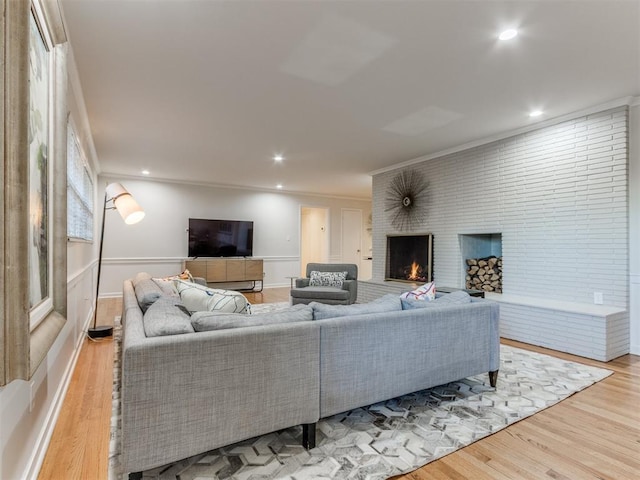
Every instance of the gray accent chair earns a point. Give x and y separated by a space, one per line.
303 293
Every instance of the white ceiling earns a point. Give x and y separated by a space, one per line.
207 91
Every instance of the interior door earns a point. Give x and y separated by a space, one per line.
314 237
352 236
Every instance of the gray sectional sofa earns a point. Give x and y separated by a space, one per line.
189 393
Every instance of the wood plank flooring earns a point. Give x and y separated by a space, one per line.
79 446
595 434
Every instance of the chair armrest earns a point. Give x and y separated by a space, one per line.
352 287
302 282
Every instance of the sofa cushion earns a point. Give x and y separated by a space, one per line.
387 303
454 298
167 316
147 292
321 293
198 298
327 279
205 321
425 292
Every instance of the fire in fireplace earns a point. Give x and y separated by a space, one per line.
410 258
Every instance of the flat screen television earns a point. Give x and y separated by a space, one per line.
220 238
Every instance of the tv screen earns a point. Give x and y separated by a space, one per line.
220 238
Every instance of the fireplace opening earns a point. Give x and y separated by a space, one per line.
410 258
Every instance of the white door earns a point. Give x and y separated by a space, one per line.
314 237
352 236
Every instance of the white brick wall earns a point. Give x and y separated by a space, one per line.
558 195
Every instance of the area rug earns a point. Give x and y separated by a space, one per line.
388 438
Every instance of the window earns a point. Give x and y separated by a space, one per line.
79 191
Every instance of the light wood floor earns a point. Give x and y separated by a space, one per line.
595 434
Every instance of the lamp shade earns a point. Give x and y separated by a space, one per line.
128 209
126 205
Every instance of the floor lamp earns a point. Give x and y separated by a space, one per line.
122 201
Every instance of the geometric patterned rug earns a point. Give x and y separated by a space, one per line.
388 438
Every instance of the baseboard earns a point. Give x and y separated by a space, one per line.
111 295
42 444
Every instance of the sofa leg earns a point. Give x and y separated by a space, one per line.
135 476
493 378
309 435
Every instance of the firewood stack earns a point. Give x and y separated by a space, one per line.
484 274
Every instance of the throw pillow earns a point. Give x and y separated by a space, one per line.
455 298
425 292
207 321
186 275
166 316
139 277
167 286
147 292
387 303
198 298
410 304
327 279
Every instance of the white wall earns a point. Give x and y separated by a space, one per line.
559 197
158 244
25 431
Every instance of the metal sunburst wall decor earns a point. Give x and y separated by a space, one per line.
406 199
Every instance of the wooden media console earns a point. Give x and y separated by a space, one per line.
228 270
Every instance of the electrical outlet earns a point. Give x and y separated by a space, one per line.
598 298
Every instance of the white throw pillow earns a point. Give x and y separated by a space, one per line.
327 279
198 298
426 292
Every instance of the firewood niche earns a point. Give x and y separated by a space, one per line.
484 274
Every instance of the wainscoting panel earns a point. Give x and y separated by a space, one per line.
117 270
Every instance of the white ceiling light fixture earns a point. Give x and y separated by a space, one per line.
535 113
145 172
508 34
279 186
278 158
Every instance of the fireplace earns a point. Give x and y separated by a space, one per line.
410 258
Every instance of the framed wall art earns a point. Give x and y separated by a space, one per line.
33 177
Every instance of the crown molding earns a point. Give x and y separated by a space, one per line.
116 176
620 102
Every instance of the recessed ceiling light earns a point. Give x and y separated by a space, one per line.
279 186
278 158
145 172
508 34
535 113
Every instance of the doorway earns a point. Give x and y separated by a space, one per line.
314 237
352 237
